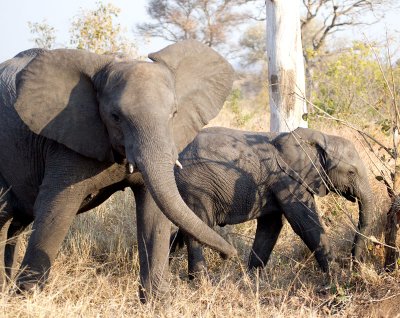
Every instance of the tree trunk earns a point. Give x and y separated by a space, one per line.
285 66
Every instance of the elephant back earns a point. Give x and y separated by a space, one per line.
8 72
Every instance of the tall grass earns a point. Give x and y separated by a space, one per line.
96 275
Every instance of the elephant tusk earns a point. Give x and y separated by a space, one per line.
178 164
130 168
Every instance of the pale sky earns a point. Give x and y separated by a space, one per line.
15 14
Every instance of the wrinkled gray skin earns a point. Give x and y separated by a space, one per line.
71 122
231 176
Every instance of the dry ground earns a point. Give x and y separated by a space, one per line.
96 272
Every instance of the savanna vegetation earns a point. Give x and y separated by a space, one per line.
353 90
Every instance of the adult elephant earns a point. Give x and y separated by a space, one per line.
77 126
232 176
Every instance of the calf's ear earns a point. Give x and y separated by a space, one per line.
302 155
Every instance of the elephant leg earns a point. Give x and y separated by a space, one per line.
304 220
54 212
10 251
268 229
56 205
203 207
6 213
196 261
153 234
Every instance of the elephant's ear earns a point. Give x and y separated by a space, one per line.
56 99
203 80
303 158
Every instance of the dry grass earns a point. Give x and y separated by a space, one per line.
96 271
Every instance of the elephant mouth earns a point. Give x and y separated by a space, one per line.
348 193
117 156
121 160
349 196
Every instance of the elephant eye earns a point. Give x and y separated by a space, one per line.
352 172
115 117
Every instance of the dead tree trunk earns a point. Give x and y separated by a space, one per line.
285 65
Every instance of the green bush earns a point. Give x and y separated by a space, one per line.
351 85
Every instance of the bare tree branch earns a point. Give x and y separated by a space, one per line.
208 21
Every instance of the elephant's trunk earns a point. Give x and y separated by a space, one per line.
366 213
158 174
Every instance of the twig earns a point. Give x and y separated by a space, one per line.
384 298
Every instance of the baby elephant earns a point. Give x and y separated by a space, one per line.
231 176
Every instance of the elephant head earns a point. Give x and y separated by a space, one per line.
107 108
324 163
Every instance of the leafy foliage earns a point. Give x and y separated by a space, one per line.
254 45
352 83
234 102
44 34
96 31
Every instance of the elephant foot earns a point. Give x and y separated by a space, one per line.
330 280
324 257
156 290
197 275
323 289
30 281
26 288
146 296
198 270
